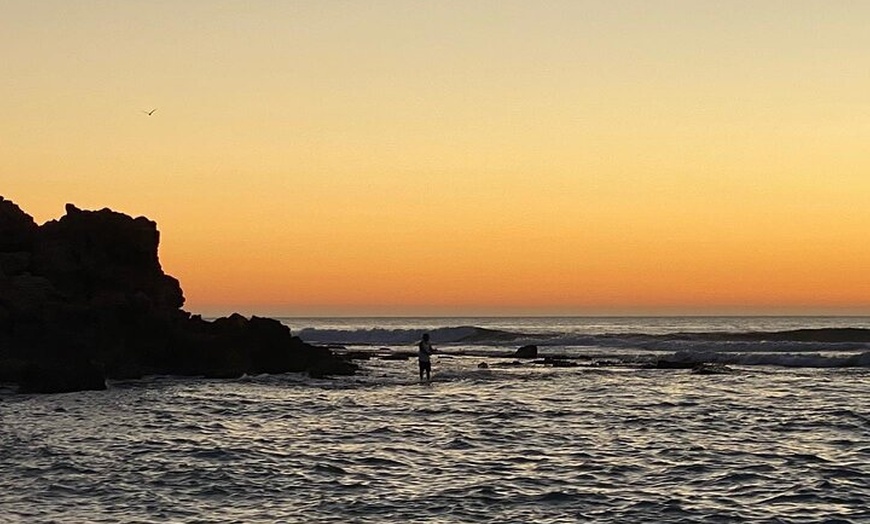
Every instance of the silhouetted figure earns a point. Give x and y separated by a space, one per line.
424 355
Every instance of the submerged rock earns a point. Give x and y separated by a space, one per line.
511 364
671 364
711 368
556 362
398 355
357 355
699 368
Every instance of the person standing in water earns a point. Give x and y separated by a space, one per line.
424 355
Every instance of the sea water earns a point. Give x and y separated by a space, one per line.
783 437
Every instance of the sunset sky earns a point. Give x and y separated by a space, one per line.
459 157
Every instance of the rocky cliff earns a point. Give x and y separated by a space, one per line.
84 298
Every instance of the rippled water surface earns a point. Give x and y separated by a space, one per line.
500 445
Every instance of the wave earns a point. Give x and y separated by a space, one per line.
826 347
832 339
386 337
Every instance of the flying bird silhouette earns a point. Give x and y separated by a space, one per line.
149 113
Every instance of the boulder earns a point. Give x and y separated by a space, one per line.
529 351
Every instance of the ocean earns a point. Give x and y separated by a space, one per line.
780 433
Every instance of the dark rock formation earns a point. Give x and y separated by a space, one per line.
17 228
61 377
357 355
530 351
84 298
105 258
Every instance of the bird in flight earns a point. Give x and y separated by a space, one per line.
149 113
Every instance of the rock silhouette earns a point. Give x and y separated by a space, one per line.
529 351
84 298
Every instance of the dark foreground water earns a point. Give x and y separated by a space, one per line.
512 444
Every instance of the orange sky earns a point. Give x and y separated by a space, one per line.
388 157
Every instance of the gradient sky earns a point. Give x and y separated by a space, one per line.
456 157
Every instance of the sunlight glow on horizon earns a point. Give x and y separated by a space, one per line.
428 158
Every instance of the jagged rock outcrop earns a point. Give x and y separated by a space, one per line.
104 258
84 298
17 228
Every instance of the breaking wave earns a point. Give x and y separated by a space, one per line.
829 347
796 340
386 337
